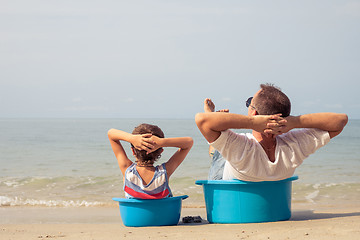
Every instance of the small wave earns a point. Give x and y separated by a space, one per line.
11 183
16 201
310 197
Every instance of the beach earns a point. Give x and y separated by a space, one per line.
72 70
324 222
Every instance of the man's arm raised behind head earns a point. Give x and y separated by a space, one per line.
211 124
334 123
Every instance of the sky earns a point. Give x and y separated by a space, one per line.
161 59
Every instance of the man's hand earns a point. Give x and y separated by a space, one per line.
283 126
270 124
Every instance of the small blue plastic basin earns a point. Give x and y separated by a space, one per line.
236 201
150 212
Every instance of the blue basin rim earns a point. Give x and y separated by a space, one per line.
135 200
203 182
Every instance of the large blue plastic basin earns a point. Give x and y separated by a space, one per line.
150 212
236 201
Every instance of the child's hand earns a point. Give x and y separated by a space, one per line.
144 142
156 143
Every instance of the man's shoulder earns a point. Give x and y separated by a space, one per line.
303 133
230 133
228 136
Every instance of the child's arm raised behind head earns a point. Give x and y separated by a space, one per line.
183 143
142 142
114 137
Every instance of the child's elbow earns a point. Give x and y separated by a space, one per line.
109 133
190 142
187 143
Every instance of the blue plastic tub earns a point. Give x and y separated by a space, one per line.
238 201
150 212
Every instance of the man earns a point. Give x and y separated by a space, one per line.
272 152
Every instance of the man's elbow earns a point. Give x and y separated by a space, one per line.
343 120
200 120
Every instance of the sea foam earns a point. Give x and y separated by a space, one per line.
16 201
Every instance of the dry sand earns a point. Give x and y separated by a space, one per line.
326 222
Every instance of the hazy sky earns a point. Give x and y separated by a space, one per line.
87 58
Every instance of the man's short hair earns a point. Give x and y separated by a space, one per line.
271 100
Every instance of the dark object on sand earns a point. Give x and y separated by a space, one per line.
192 219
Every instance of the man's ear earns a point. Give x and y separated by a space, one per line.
254 112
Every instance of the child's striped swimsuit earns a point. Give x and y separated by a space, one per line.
156 189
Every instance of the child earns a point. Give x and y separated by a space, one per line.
142 179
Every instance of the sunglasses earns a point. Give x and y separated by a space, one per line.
248 102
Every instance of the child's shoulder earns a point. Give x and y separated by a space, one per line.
161 167
131 167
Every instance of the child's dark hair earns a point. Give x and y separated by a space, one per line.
141 155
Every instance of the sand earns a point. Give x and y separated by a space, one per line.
319 222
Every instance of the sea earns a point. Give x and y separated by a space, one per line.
69 163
